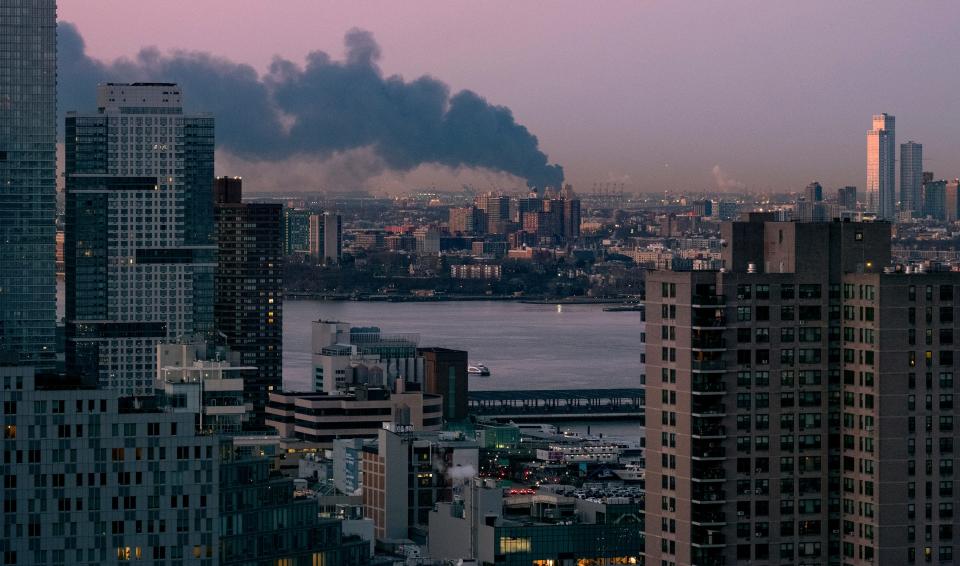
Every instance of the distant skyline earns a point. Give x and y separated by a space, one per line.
658 95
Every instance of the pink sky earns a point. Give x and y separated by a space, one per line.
655 93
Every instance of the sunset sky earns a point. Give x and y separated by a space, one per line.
659 95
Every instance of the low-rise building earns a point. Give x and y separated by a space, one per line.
552 525
319 419
406 473
481 271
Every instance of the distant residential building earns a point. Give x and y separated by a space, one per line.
482 271
497 210
428 240
401 243
406 473
951 201
445 374
296 231
326 237
703 208
373 240
492 248
140 247
813 192
28 177
248 307
319 418
935 199
881 194
467 220
726 209
345 357
911 177
847 198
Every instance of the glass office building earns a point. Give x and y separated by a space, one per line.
28 107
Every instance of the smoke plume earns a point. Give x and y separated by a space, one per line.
460 474
725 183
347 111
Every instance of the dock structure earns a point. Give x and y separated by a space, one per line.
559 404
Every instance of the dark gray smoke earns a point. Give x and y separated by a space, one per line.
322 108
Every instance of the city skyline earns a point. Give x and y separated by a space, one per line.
658 114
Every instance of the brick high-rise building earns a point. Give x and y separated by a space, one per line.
248 307
749 405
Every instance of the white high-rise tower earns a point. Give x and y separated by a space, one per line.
881 190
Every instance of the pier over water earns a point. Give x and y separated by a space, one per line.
558 405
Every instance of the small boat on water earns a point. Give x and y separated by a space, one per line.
478 369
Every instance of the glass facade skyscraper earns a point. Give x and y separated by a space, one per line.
28 129
881 156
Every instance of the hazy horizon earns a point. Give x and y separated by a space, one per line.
659 96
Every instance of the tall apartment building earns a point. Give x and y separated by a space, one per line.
744 389
847 198
881 157
248 309
28 135
935 199
139 246
813 192
326 237
951 200
296 231
497 210
445 374
911 177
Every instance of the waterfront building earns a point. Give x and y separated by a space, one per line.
248 308
911 177
881 195
345 356
140 252
445 374
318 418
481 271
28 164
493 525
406 473
296 231
326 237
745 395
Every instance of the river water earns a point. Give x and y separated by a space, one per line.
525 346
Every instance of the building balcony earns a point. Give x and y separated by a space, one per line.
708 453
708 473
707 366
703 387
708 341
707 301
707 556
708 410
708 323
708 518
708 494
701 537
707 431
